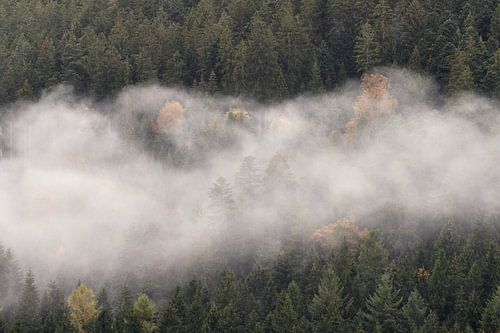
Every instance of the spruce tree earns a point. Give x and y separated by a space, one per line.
283 318
367 48
27 318
383 307
372 261
490 321
54 312
329 306
104 321
124 314
144 310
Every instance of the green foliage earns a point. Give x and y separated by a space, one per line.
490 321
54 312
329 306
367 49
383 307
284 318
263 49
144 310
27 318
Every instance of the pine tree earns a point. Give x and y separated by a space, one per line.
372 261
329 306
383 25
144 311
125 312
173 315
104 321
283 318
248 180
367 48
222 202
417 316
490 321
383 307
83 308
27 319
224 314
315 84
54 312
264 78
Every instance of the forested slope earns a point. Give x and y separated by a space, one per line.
264 49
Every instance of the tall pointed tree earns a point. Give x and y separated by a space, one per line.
27 318
383 307
329 306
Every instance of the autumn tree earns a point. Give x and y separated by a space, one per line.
83 308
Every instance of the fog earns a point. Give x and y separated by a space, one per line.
90 188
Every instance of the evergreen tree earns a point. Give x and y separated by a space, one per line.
125 312
490 321
329 306
27 318
367 48
283 318
460 75
144 311
383 307
104 321
54 312
173 315
265 80
372 261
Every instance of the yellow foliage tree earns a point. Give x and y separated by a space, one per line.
375 101
83 307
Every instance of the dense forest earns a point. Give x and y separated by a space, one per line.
265 49
350 280
313 166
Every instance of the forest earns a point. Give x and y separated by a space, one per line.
249 166
266 49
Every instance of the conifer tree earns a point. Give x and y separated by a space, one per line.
283 317
372 261
104 321
54 312
144 311
27 318
490 321
125 311
367 48
329 306
265 80
383 307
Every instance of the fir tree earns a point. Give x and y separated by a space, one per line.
367 48
27 319
104 321
490 321
329 306
383 307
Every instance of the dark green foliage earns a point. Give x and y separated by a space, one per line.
268 50
27 317
383 307
104 321
490 321
308 290
54 312
329 307
284 318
